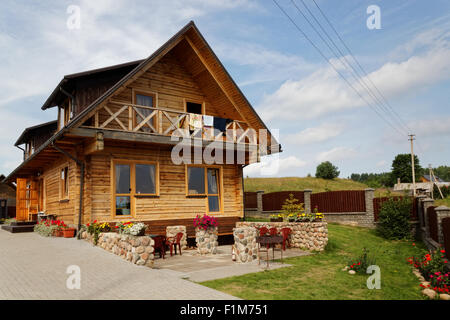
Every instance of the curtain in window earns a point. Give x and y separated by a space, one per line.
147 101
212 181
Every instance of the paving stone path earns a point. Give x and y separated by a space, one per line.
34 267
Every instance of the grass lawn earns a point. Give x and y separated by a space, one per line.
315 184
319 276
442 202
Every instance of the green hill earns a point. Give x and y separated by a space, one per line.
296 183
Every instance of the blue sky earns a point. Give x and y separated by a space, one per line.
290 85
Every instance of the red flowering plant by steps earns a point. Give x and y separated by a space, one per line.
433 267
205 222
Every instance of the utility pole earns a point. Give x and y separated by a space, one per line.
411 138
432 183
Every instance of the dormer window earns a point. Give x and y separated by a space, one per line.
29 149
64 114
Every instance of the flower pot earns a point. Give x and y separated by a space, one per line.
69 233
276 219
58 233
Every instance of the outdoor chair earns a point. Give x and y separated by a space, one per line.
273 231
160 245
263 231
286 232
173 242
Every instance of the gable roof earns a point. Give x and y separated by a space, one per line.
141 66
29 131
153 58
427 177
68 81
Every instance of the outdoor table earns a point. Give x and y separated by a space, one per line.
269 241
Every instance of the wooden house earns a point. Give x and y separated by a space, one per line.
108 155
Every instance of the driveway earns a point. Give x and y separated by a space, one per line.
34 267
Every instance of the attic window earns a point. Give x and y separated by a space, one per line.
194 107
64 114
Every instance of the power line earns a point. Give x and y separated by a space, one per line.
353 71
360 66
335 69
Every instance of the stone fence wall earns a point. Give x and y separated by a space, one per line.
363 219
424 224
305 235
136 249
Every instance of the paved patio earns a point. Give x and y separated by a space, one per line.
34 267
190 265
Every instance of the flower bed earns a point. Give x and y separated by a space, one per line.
305 235
56 228
432 269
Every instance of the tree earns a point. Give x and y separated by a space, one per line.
401 168
326 170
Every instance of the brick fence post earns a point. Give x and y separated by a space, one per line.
259 201
428 202
420 214
369 194
441 213
307 198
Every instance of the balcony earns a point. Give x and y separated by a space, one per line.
137 119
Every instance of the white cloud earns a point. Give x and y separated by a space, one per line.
320 133
325 92
337 153
381 163
431 127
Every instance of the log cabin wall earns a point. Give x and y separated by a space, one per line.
172 202
67 208
171 79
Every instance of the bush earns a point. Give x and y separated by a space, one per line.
326 170
444 189
393 220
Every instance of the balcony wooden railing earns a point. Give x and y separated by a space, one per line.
162 121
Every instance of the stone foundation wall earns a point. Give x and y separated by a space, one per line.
245 246
171 231
206 240
136 249
361 219
311 236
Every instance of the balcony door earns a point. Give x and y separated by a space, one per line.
123 192
145 99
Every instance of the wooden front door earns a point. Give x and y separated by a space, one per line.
21 200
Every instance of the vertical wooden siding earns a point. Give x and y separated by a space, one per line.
250 200
339 201
273 201
433 223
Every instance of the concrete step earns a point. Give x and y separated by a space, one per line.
18 229
23 223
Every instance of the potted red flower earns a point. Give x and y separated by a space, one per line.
68 232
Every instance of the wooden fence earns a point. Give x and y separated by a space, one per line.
446 232
250 200
274 200
378 202
339 201
433 223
